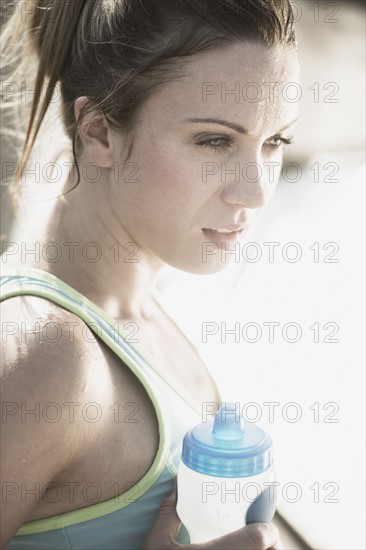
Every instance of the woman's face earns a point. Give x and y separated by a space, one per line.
189 174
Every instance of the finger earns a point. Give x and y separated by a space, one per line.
256 536
279 546
166 526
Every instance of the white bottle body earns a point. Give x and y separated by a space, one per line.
210 507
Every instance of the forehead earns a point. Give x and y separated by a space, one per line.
244 83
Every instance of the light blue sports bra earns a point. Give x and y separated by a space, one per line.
122 522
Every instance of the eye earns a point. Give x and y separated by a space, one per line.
277 141
216 143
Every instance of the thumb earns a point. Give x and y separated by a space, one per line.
255 536
165 529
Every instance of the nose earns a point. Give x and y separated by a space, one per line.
244 183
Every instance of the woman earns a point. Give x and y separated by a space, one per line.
169 105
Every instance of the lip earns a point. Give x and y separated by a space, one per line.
232 227
222 238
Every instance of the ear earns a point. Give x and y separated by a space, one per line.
95 135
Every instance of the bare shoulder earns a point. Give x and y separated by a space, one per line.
46 365
45 340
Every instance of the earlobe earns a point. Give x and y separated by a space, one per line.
94 134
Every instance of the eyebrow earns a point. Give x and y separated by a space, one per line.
233 126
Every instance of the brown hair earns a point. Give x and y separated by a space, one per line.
119 52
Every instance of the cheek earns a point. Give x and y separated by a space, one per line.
168 183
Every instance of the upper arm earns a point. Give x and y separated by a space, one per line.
39 374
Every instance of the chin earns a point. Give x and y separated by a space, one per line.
210 267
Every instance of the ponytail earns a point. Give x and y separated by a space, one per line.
52 28
48 28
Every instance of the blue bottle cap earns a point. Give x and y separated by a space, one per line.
227 446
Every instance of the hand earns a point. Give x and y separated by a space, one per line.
257 536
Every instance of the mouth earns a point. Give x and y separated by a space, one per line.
223 235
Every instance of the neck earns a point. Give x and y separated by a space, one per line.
95 254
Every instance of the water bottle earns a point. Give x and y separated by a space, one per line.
225 477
